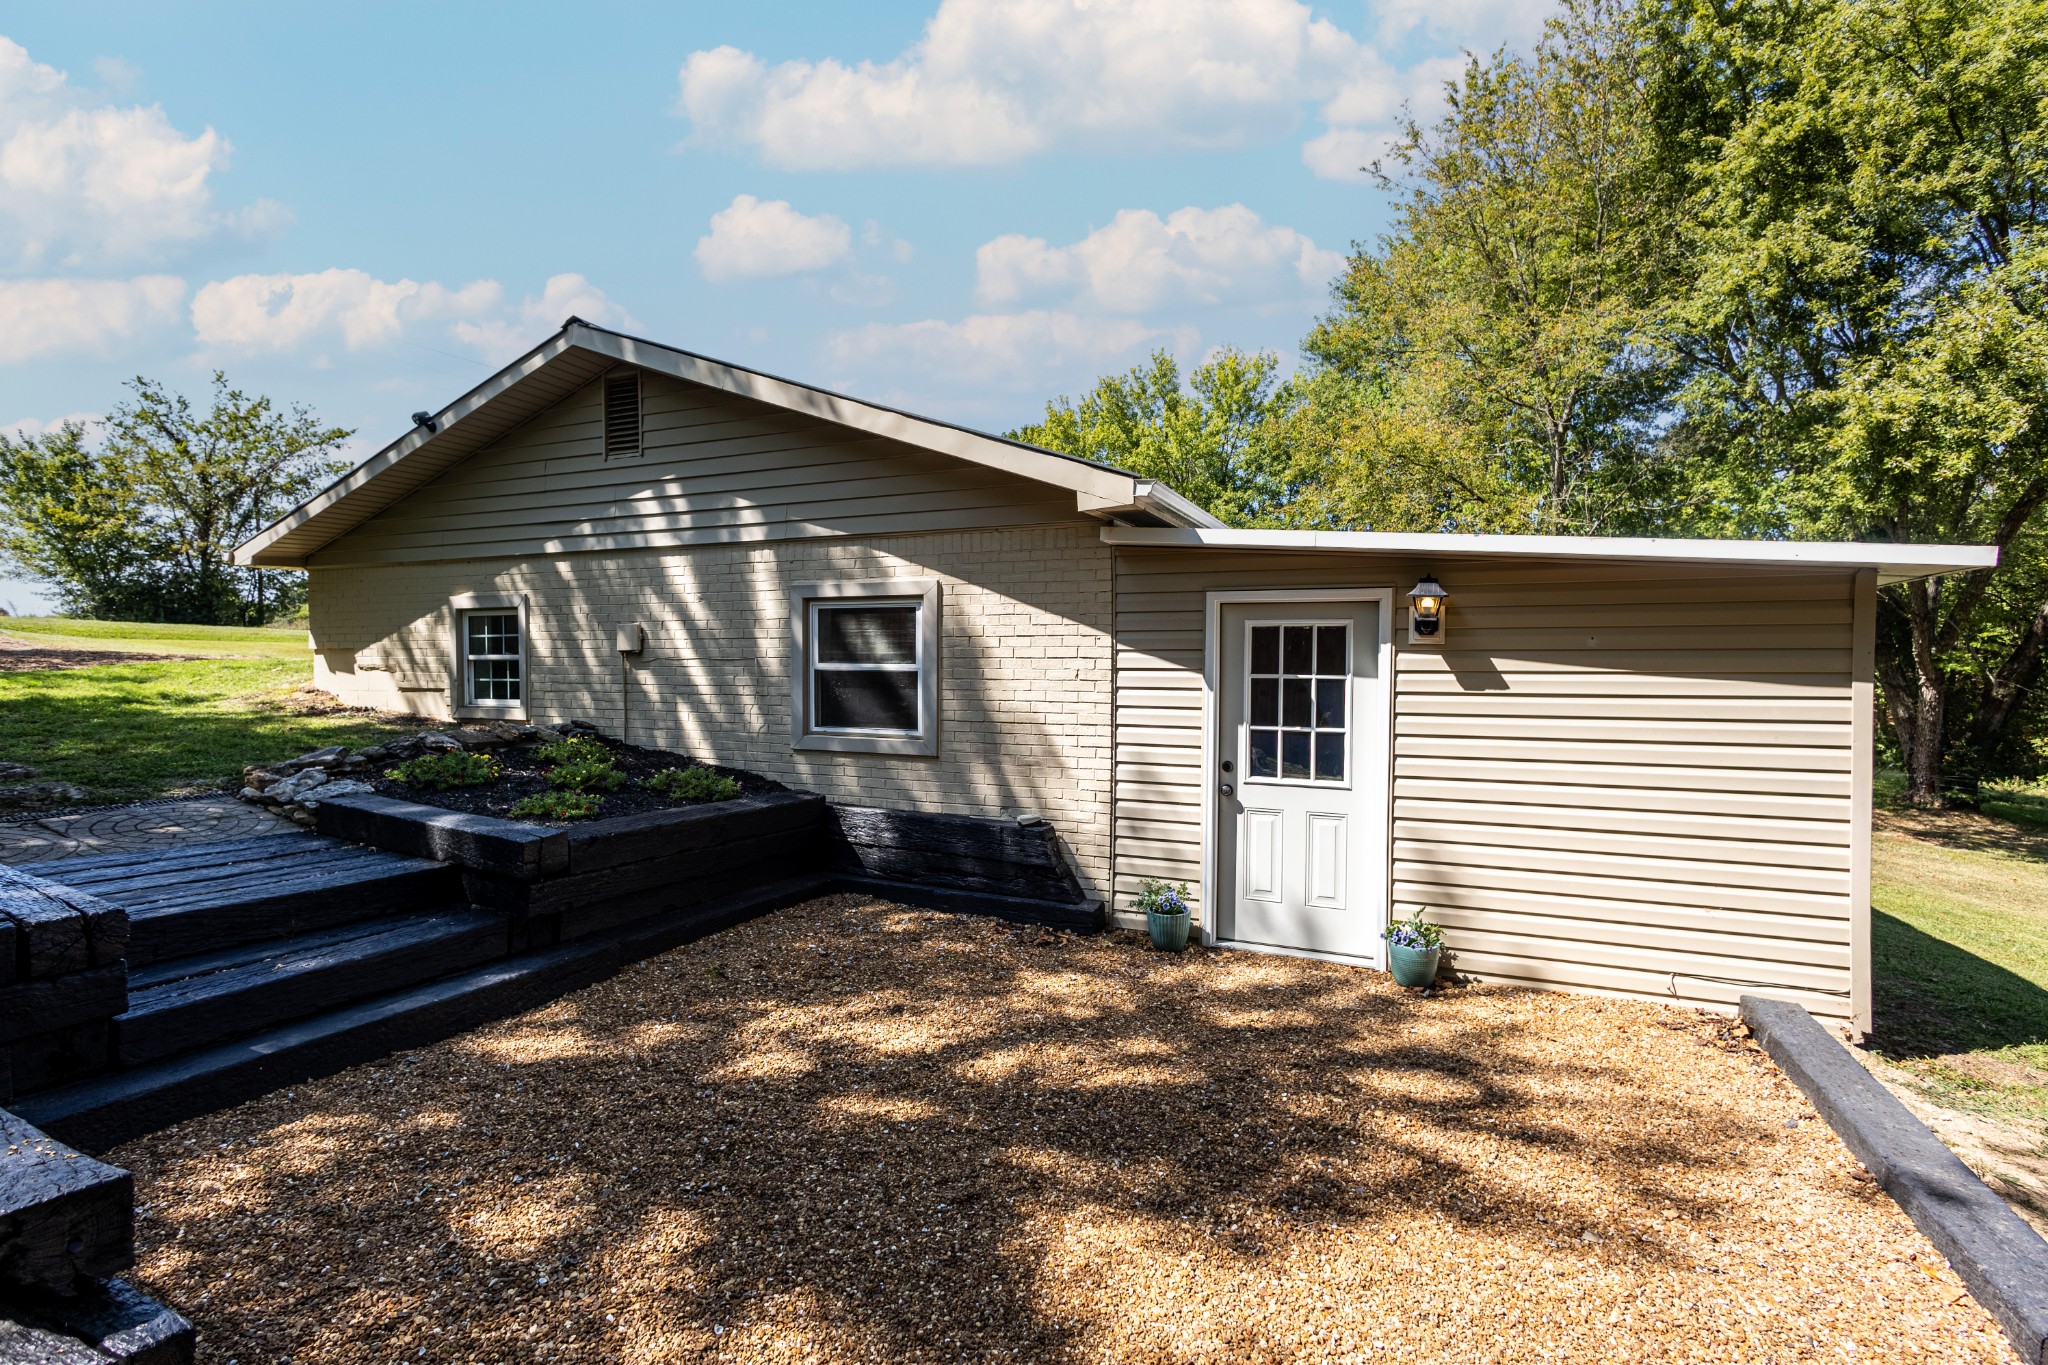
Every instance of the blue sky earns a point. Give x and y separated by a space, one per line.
962 207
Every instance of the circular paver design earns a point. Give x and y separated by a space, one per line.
134 829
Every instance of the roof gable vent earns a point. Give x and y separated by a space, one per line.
622 414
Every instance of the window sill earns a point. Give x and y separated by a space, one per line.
912 746
511 713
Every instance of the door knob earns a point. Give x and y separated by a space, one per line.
1227 791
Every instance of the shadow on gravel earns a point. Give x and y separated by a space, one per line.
892 1135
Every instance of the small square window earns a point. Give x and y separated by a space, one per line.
493 659
866 666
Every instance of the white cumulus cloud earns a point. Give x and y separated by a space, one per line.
53 317
994 81
279 312
1017 352
1140 262
29 427
84 184
503 338
752 239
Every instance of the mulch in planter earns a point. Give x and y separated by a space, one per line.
526 776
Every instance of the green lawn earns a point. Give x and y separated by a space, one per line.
1959 944
143 637
131 729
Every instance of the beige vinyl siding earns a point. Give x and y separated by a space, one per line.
714 468
1025 660
1634 778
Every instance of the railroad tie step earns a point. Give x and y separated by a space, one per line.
192 1002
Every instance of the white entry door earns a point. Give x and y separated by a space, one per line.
1302 777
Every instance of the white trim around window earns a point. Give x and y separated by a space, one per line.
864 666
491 677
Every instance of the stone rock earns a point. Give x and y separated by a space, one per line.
17 772
436 742
40 794
319 758
341 787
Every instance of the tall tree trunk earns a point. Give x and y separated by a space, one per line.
1930 699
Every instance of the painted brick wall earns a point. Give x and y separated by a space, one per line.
1026 699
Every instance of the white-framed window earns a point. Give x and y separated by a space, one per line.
864 666
490 656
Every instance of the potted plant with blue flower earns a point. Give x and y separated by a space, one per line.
1166 913
1413 945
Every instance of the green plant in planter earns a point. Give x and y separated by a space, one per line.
573 750
1166 913
694 783
1413 945
558 806
442 771
587 777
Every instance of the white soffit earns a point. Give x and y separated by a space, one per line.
1894 563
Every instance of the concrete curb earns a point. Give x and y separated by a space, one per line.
2002 1261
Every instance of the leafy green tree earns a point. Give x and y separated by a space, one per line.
69 519
1509 323
1208 440
1860 316
146 526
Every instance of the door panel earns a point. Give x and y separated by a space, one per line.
1301 779
1262 854
1326 861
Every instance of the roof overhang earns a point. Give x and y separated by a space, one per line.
580 353
1894 563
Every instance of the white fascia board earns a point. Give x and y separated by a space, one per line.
1044 466
1894 563
1169 506
400 449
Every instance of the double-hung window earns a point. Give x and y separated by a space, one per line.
490 657
865 666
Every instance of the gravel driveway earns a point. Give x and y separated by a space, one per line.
855 1132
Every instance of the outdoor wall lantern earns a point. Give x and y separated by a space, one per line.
1426 609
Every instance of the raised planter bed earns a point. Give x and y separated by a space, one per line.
524 776
560 884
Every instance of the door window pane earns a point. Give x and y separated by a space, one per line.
1294 753
1330 755
1265 755
1333 650
1265 649
1299 650
1265 701
1297 710
1329 703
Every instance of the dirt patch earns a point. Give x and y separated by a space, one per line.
26 656
309 700
525 775
850 1131
2008 1153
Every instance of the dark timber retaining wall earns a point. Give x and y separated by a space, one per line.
559 884
2002 1260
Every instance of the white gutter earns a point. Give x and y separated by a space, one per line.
1894 563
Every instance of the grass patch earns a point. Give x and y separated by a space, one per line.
145 637
134 730
1959 944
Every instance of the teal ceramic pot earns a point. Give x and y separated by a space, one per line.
1412 966
1169 932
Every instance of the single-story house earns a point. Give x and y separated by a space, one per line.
1640 767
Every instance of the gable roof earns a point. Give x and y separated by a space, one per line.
581 352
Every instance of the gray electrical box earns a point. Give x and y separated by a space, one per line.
629 639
